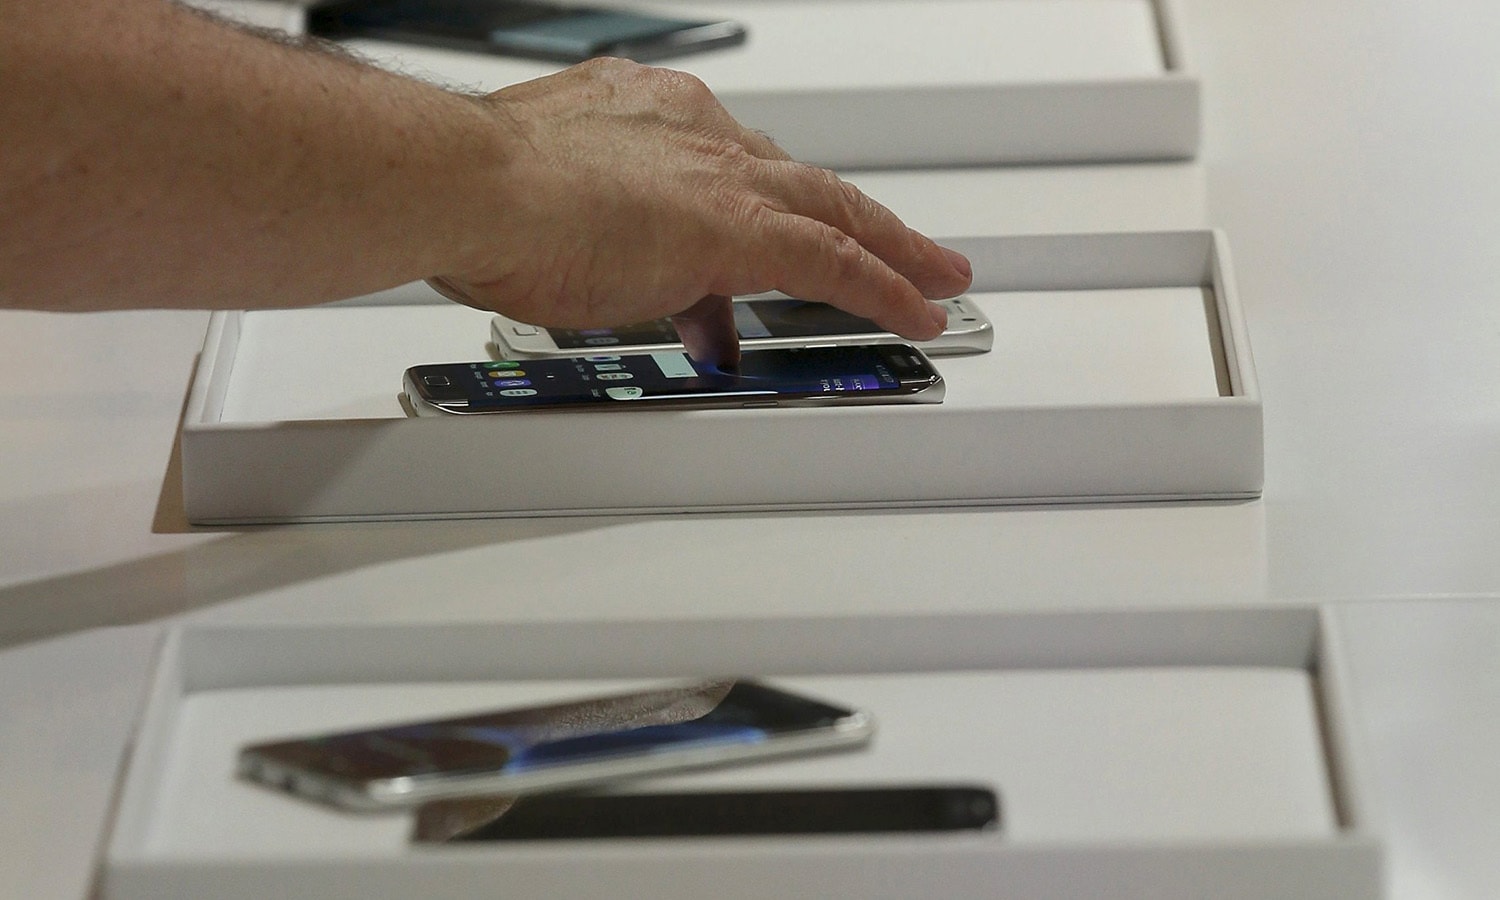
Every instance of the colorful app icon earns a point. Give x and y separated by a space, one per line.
502 364
601 358
518 392
607 367
614 376
513 382
624 393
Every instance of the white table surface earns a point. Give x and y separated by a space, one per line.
1350 153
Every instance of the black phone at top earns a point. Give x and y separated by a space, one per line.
547 31
801 376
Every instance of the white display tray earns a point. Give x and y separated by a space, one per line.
1156 755
849 83
1121 371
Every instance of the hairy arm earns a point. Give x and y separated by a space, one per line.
155 157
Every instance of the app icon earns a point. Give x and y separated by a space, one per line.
614 376
594 332
607 367
513 382
601 358
624 393
601 341
502 364
518 392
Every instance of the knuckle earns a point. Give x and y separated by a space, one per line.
846 256
611 67
686 83
852 196
845 202
682 86
748 214
737 161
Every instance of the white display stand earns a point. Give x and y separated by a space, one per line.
850 83
1121 371
1166 755
282 15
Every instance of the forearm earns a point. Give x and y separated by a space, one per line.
152 157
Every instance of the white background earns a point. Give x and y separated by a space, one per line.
1350 152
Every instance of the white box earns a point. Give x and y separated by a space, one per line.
850 83
281 15
1159 755
1121 371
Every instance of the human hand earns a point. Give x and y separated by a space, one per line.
630 194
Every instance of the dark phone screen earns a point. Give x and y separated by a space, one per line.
719 712
791 811
752 319
528 29
587 32
470 19
606 378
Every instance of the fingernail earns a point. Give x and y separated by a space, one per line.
939 316
960 262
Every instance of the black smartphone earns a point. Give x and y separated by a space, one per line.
547 31
822 810
563 745
799 376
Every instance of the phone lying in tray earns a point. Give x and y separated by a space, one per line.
783 811
801 376
762 323
564 745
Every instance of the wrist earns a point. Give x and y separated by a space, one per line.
483 192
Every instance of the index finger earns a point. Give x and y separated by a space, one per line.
820 194
707 331
814 261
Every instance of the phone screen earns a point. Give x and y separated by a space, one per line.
527 739
552 31
839 810
586 32
752 319
672 374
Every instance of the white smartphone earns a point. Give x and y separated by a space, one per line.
762 323
670 379
529 749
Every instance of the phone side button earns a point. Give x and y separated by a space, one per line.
758 404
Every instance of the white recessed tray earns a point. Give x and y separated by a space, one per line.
850 83
1140 755
1121 371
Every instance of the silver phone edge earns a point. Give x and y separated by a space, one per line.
979 338
848 733
932 393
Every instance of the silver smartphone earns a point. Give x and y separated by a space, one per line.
540 748
670 379
762 323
